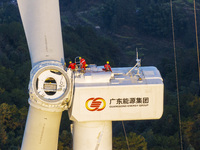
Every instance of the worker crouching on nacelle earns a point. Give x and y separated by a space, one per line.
107 67
72 65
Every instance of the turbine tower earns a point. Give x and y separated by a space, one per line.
94 98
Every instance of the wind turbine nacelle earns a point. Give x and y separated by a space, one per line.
115 96
50 86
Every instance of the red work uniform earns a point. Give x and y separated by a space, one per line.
107 67
82 63
72 66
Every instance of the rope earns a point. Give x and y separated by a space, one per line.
125 135
175 63
195 19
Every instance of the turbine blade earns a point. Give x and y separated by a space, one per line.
41 21
42 130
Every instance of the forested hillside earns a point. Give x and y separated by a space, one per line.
111 30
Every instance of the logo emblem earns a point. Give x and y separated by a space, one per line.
95 104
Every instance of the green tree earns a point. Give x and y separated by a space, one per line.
117 13
191 126
3 135
12 122
65 141
136 142
9 12
160 141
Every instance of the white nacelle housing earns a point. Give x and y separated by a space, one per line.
101 96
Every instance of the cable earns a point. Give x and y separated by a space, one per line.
195 20
175 63
125 135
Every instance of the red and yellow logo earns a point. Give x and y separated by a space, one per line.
95 104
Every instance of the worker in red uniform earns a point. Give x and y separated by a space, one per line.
72 65
107 67
82 63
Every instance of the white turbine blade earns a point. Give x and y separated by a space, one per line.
42 130
41 21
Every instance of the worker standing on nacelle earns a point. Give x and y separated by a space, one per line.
82 63
107 67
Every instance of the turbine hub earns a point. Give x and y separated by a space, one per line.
50 86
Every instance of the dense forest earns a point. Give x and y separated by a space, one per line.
111 30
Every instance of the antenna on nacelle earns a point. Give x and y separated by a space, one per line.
138 64
137 59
